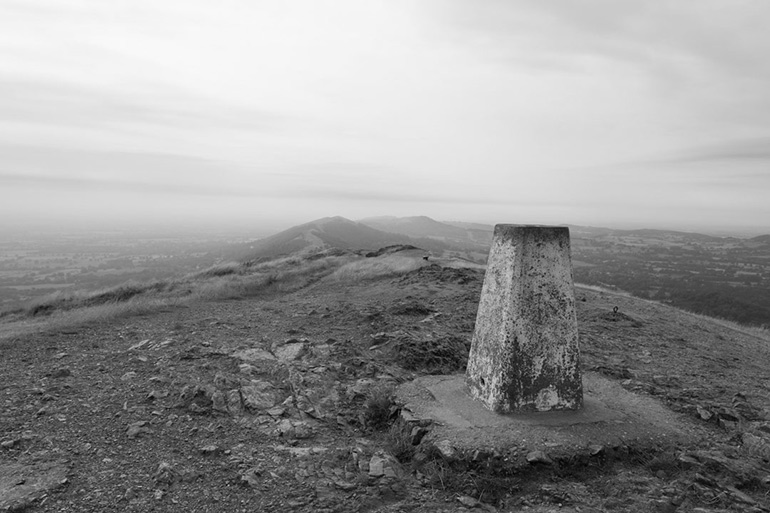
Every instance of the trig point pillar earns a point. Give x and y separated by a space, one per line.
524 355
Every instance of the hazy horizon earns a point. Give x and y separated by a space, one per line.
258 229
271 114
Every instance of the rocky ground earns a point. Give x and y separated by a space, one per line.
282 403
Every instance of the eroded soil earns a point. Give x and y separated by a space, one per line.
261 405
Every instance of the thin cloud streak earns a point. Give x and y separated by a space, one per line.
68 105
295 191
755 149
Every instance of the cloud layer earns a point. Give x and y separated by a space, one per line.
602 112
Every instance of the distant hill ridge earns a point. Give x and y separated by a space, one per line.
476 234
476 237
373 233
330 232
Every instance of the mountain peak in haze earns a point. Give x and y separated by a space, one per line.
332 220
327 233
425 227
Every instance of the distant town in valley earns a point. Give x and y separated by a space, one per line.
724 277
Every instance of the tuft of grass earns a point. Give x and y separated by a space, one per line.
11 311
398 441
379 407
220 270
123 293
49 303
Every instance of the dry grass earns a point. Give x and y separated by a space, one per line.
398 441
70 318
110 311
379 267
232 280
62 301
234 286
217 270
224 281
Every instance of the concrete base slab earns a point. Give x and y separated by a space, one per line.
611 417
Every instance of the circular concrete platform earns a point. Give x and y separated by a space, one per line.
611 417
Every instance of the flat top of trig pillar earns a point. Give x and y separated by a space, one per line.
531 229
533 226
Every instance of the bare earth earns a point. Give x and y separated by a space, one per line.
260 405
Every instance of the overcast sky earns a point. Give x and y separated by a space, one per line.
598 112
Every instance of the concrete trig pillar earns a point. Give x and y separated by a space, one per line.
524 355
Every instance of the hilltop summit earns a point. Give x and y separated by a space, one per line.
268 387
327 233
280 401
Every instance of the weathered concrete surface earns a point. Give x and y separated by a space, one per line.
611 416
524 355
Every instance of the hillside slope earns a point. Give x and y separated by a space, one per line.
279 402
329 232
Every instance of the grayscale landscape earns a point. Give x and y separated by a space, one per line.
243 247
727 277
241 365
